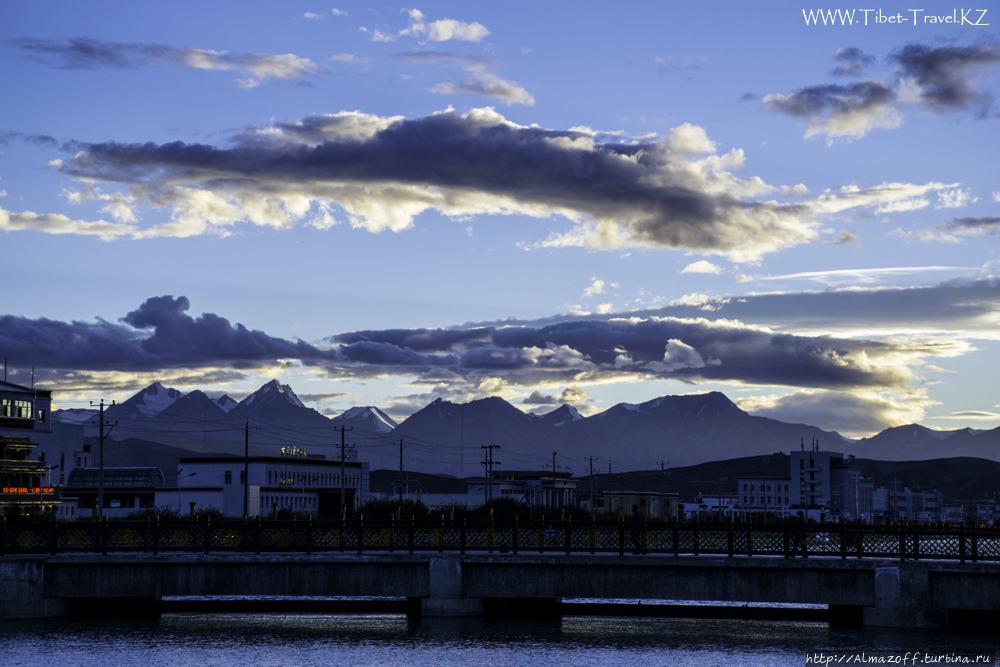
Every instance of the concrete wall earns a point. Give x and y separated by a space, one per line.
891 593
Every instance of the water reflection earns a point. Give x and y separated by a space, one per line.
292 639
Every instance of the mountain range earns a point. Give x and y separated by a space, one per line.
451 439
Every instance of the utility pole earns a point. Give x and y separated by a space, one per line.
246 468
593 504
100 459
488 463
343 455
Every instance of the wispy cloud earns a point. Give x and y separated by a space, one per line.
473 63
82 53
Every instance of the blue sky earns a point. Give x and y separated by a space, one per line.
556 201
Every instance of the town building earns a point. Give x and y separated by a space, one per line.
23 480
126 490
764 494
294 482
534 487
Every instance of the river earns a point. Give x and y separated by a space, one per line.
272 640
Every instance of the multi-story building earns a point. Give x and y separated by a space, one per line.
294 482
764 494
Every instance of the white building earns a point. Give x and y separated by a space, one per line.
294 483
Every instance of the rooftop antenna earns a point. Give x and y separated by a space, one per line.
802 444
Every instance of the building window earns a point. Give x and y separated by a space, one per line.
243 477
229 477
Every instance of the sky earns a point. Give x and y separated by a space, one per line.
553 203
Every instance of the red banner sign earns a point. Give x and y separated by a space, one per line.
24 489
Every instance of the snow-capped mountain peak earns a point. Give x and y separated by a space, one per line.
225 402
371 415
153 399
270 389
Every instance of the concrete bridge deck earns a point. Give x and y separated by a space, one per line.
887 593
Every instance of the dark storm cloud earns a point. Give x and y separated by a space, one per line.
83 53
943 74
855 61
419 340
833 99
375 354
975 223
385 171
158 335
936 78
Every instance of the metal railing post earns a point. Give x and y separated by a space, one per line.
208 533
729 538
104 535
409 534
676 530
961 541
843 539
156 535
361 536
257 536
621 537
784 540
514 536
974 543
461 538
568 538
54 535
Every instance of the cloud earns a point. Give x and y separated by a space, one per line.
970 414
339 12
702 266
948 312
569 396
855 61
884 198
933 78
311 16
487 85
158 335
348 58
840 111
56 223
686 349
596 287
674 192
851 414
444 30
942 74
83 53
686 63
468 63
377 35
859 276
38 139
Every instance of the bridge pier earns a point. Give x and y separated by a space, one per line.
904 598
447 590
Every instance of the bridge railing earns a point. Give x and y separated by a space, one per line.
838 540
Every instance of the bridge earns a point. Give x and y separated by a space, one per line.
892 576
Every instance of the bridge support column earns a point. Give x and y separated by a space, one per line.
903 599
447 590
22 591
